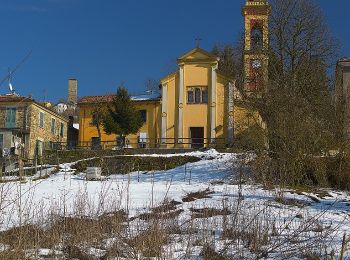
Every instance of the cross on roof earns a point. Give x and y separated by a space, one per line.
198 41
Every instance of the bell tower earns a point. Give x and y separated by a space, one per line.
256 45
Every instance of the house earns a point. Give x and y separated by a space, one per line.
342 96
27 125
198 106
148 105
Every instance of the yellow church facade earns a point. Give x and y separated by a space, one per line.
197 103
198 106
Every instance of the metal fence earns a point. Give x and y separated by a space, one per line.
193 143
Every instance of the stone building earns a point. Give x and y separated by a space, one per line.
26 125
342 95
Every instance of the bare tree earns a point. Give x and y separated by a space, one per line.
297 105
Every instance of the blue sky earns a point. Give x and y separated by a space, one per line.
105 42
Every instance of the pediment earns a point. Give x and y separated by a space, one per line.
197 54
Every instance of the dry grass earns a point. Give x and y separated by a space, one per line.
197 195
237 229
209 212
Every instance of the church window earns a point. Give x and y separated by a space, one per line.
205 95
257 37
197 95
190 98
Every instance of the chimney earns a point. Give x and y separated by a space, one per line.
72 91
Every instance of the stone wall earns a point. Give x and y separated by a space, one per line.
20 116
44 133
72 91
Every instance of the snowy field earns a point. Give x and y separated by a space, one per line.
294 222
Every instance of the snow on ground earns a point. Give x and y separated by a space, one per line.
68 192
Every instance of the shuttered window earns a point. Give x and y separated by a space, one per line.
11 117
41 120
62 130
53 125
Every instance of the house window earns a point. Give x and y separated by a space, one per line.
11 117
53 125
62 130
143 114
41 120
197 95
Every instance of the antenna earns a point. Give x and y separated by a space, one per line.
11 88
10 73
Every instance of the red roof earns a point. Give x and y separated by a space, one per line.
96 99
14 98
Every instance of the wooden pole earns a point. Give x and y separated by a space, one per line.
20 164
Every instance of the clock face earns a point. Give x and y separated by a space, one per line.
256 64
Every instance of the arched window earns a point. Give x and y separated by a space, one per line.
256 37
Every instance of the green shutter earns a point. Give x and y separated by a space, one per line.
41 119
11 117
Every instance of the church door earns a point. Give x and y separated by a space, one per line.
197 137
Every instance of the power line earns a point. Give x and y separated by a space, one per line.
11 72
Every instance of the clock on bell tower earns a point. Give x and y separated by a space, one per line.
256 45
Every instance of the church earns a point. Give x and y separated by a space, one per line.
198 105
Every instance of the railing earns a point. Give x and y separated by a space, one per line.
194 143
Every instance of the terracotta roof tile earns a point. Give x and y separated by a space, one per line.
14 98
96 99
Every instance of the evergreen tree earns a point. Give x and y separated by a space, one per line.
97 119
122 118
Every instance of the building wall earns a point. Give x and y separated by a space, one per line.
342 96
20 114
28 122
151 127
196 115
44 133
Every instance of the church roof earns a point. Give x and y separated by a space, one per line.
197 54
